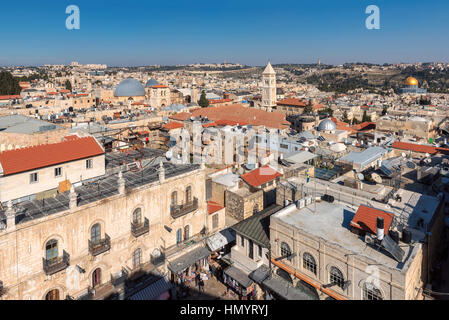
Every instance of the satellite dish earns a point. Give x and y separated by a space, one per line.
376 178
169 155
361 176
427 155
403 155
410 165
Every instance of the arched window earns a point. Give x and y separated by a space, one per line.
137 216
370 292
137 256
186 232
95 233
308 262
336 277
96 277
285 251
51 249
174 198
52 295
189 194
179 236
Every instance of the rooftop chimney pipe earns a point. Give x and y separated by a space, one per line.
380 228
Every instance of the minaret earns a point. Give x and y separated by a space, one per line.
269 88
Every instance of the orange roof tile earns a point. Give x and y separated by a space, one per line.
238 114
173 125
159 86
35 157
10 97
292 102
366 219
260 176
414 147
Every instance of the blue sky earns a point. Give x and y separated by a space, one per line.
145 32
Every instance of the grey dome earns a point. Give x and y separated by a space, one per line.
129 87
327 125
151 82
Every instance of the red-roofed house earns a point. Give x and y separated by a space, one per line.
32 170
262 178
365 220
416 149
172 126
216 216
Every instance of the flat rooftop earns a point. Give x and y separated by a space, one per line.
26 125
331 222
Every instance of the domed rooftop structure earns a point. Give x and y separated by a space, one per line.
129 87
152 82
410 81
327 125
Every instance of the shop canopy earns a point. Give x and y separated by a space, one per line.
287 291
188 259
220 239
239 276
154 290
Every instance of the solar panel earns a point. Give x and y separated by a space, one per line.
392 247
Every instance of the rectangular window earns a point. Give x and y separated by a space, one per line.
284 146
89 164
260 251
34 178
215 221
251 249
242 241
58 172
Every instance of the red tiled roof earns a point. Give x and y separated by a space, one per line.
364 126
64 91
238 114
226 122
318 106
159 86
414 147
260 176
366 219
10 97
292 102
173 125
212 101
35 157
211 124
213 207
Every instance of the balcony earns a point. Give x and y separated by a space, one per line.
55 265
177 211
139 229
158 260
119 278
99 247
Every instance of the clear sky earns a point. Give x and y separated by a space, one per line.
146 32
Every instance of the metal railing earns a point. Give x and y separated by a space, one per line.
177 211
101 246
138 229
119 279
52 266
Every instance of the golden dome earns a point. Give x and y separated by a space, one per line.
410 81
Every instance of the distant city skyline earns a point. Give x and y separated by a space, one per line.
141 33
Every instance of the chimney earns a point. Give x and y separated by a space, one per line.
121 183
73 198
10 217
380 228
161 172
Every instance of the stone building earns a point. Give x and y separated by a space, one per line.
80 243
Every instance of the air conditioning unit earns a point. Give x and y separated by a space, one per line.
308 200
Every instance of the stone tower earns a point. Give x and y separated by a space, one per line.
269 88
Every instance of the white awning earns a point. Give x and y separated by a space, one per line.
220 239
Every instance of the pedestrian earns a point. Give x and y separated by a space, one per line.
197 279
201 283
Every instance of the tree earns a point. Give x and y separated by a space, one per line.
345 117
308 109
203 102
8 84
384 111
68 85
366 117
